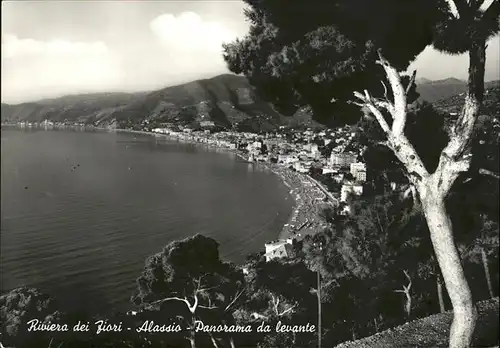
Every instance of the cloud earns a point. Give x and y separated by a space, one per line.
34 69
180 48
188 32
13 47
175 49
435 65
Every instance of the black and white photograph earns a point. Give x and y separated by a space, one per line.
250 174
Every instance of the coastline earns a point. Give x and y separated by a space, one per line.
309 196
308 200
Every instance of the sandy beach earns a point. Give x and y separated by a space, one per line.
310 198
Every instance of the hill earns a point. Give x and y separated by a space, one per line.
433 331
227 100
491 101
432 91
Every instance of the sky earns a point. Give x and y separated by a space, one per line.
55 48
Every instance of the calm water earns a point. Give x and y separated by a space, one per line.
81 211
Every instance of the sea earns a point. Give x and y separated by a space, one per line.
81 211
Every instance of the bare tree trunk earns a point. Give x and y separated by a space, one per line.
484 258
230 321
433 188
439 282
192 333
406 290
408 306
475 83
464 312
192 340
319 308
214 341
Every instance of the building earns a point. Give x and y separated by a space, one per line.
255 148
342 159
279 249
329 170
315 153
348 189
207 124
301 167
287 159
358 171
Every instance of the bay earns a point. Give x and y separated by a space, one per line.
81 211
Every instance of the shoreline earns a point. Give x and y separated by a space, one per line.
309 196
305 218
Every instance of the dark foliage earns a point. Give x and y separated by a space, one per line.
308 55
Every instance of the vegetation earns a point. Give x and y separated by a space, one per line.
433 331
189 280
363 263
320 60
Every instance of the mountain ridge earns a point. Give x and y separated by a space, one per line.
227 100
432 91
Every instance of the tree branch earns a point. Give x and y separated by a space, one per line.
412 80
238 295
276 304
448 170
407 288
490 11
396 140
206 289
386 104
367 102
486 5
489 173
461 165
385 90
399 114
193 308
453 8
208 307
287 310
172 299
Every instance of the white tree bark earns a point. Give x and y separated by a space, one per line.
432 189
406 290
486 268
464 313
439 283
193 308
